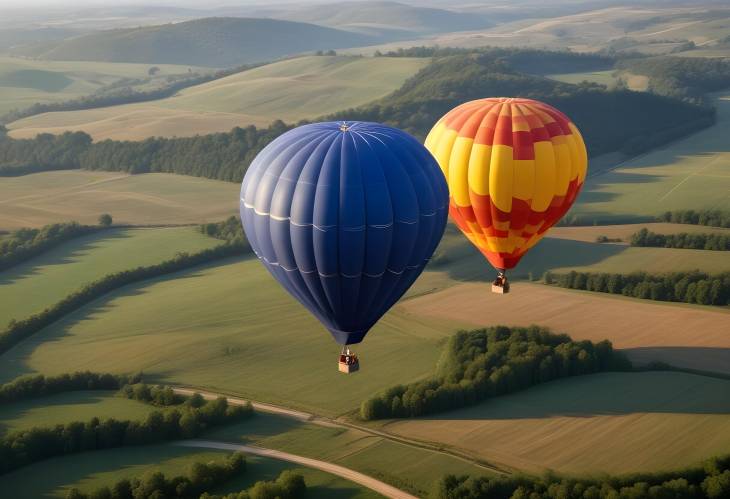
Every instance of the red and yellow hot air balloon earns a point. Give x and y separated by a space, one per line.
514 168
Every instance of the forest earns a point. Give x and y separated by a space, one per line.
711 218
610 120
711 481
683 240
484 363
687 287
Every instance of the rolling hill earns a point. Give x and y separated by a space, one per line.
290 90
212 42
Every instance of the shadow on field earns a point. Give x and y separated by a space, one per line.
606 394
697 358
463 262
68 252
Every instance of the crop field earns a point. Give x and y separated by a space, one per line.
90 470
412 468
666 421
38 283
24 82
290 90
80 195
691 173
625 231
67 407
229 327
682 335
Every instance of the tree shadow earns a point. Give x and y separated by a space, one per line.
605 394
710 359
67 252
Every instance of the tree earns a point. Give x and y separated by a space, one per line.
153 71
105 220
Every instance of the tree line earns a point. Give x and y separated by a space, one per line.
17 330
610 120
229 230
25 447
23 244
158 395
39 385
484 363
288 485
683 240
687 287
711 481
712 218
199 478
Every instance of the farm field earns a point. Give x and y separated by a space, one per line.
609 78
151 198
290 90
666 420
24 82
90 470
51 276
689 173
625 231
64 408
408 467
247 337
688 336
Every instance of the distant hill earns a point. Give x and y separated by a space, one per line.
214 42
386 18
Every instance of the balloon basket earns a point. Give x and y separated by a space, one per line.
500 284
348 362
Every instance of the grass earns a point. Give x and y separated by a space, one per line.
23 82
607 423
688 174
153 198
229 327
689 336
67 407
404 466
290 90
91 470
31 286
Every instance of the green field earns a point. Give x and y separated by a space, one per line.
67 407
151 198
31 286
610 78
290 90
407 467
229 327
603 423
91 470
24 82
688 174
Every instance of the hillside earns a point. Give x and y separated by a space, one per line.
384 18
213 42
290 90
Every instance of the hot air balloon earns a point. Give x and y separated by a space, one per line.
514 168
345 215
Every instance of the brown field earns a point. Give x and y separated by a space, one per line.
624 232
687 336
80 195
603 423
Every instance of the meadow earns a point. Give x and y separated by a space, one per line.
693 337
665 421
91 470
290 90
155 198
64 408
688 173
229 327
51 276
24 82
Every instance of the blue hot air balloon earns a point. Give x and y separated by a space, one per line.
345 215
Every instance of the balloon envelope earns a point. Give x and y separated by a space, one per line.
514 168
345 217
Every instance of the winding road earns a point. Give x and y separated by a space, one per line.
341 471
